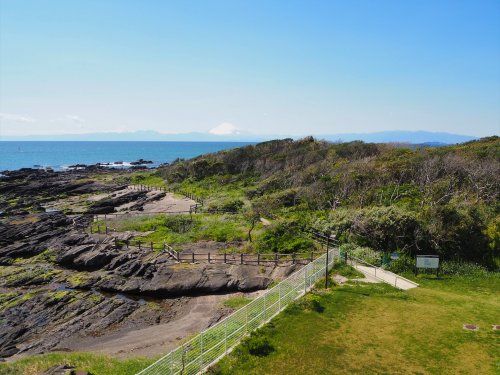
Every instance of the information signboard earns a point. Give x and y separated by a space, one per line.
427 262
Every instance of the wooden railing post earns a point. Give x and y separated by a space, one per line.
193 256
258 258
209 257
225 257
241 260
276 259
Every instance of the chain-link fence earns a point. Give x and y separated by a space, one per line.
209 346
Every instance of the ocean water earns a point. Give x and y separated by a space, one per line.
60 155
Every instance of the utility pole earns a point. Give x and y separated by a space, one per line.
326 264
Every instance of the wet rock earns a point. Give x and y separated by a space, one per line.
108 205
141 162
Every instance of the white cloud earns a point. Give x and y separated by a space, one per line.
69 118
225 128
74 118
11 117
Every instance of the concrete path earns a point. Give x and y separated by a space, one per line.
385 276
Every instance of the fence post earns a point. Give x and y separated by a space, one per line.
225 336
225 257
246 318
326 261
265 306
139 245
193 256
279 299
241 260
276 259
127 242
258 258
312 256
305 279
152 246
201 350
105 226
293 258
209 257
116 243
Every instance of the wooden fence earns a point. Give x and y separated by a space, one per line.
165 189
218 257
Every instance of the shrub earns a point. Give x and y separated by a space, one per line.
462 269
259 346
233 205
311 302
367 254
381 228
284 237
452 268
403 264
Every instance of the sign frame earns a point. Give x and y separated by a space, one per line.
427 262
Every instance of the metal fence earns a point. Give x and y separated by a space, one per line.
206 348
381 274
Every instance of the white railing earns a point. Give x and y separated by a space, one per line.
208 347
381 274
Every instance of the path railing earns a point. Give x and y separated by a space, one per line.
187 194
381 274
208 347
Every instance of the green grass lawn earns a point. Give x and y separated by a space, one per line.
93 363
147 178
236 302
376 329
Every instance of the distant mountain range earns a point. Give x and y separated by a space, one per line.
412 137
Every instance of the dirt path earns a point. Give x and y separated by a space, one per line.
198 314
170 203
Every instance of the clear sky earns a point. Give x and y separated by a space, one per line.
263 66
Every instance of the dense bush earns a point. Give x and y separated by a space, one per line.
228 205
365 253
447 267
284 236
381 228
311 302
258 345
414 200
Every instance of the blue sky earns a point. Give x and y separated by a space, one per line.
266 67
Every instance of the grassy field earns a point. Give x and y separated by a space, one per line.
180 229
376 329
351 329
147 178
94 364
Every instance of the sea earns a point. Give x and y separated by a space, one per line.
59 155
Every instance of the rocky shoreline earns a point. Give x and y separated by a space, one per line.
59 284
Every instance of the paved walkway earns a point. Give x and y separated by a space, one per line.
397 281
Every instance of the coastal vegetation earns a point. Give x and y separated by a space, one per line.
388 198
